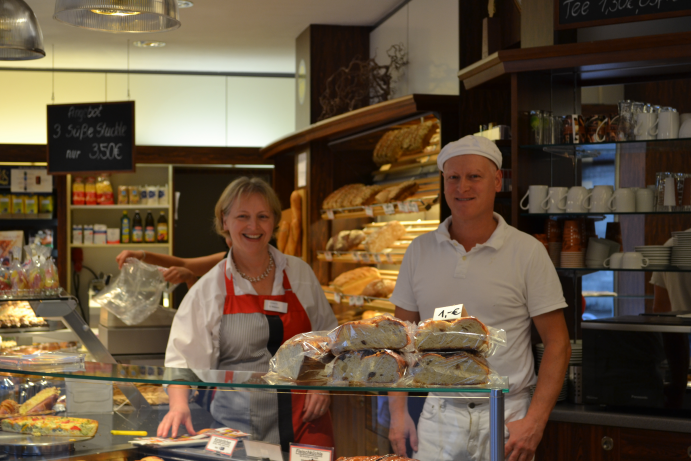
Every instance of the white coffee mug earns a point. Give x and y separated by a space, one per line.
597 251
645 200
575 198
614 261
623 201
646 125
671 197
683 118
633 260
668 125
597 200
537 195
556 200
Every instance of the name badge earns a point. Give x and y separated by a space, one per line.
222 445
275 306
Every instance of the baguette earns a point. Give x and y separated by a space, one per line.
282 235
353 282
384 237
293 238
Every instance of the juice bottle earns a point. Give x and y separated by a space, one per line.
149 229
137 230
78 193
90 191
125 228
162 229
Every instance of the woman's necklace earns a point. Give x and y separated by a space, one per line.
255 279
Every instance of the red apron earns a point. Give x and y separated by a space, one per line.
295 321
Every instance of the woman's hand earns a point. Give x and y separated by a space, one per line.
316 405
178 414
179 274
122 257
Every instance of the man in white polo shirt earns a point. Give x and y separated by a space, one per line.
503 277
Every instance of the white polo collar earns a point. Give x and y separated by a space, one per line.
496 240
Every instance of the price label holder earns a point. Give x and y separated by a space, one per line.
377 258
356 256
337 298
413 208
356 301
301 452
365 258
389 208
328 256
256 449
449 312
221 445
369 211
389 259
330 214
403 207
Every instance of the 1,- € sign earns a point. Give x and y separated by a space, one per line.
449 312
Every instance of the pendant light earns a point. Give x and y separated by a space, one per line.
119 15
20 35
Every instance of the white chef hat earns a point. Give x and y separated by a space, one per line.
470 144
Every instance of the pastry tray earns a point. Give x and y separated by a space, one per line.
31 445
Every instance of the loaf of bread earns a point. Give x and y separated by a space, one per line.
397 192
465 333
374 458
416 138
384 237
348 239
339 195
368 367
388 148
282 235
370 315
354 281
9 407
379 288
362 196
450 369
295 235
382 332
302 358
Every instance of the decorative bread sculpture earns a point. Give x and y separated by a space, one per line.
368 367
384 237
354 281
301 358
465 333
379 288
459 368
382 332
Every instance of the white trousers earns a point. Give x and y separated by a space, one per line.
458 430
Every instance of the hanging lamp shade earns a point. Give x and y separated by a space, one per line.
119 15
20 35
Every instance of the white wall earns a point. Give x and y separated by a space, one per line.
429 31
170 110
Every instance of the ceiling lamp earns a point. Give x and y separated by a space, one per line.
20 35
119 15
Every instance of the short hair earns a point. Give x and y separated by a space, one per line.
243 187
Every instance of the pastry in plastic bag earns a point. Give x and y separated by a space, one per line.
367 367
450 369
302 358
465 333
382 332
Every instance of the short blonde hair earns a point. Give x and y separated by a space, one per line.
243 187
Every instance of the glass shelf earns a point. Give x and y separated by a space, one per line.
604 269
592 215
223 378
599 146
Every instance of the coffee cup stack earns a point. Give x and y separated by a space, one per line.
571 251
598 252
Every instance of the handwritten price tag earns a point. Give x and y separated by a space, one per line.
369 211
389 208
337 298
221 445
358 300
403 206
365 258
377 258
356 256
448 313
412 206
330 214
328 256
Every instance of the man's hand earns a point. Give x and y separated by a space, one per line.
524 437
316 405
401 429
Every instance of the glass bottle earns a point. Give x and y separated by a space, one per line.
149 228
162 229
125 228
137 230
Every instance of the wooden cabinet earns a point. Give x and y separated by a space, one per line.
570 441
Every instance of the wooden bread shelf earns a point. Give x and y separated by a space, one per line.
417 203
360 257
377 304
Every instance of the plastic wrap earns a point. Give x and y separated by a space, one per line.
448 369
367 368
46 361
383 332
302 358
37 276
465 333
135 293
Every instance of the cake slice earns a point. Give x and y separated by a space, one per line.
450 369
368 367
465 333
382 332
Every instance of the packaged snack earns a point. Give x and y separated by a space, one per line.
5 204
104 190
383 332
78 191
18 277
152 195
17 206
51 273
5 280
143 195
45 205
100 233
88 234
123 195
90 191
112 236
77 234
465 333
133 194
163 195
449 369
31 206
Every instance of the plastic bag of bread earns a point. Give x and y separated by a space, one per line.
462 334
302 358
367 367
384 237
354 281
442 369
383 332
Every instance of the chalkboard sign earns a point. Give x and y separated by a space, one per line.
91 138
570 14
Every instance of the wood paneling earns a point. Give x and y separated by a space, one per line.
537 24
60 185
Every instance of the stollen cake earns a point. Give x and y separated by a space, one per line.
384 237
383 332
465 333
450 369
368 367
354 281
302 358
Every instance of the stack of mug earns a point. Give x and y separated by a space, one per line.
572 249
600 199
599 250
554 238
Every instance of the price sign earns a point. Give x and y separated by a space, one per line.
302 452
221 445
328 256
92 137
337 298
356 301
330 214
448 313
369 211
365 258
413 208
377 258
389 208
403 206
356 256
389 259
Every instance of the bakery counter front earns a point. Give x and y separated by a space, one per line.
98 411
